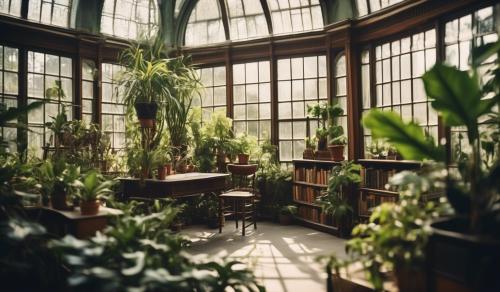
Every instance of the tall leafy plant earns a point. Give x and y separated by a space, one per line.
461 101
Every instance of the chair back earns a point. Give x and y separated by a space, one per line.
243 176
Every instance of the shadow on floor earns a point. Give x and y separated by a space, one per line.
283 257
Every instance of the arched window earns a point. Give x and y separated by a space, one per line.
205 24
295 16
11 7
369 6
53 12
130 19
246 19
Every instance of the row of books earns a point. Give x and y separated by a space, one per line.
305 194
312 175
377 178
314 214
368 201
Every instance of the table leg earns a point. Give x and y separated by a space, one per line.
221 205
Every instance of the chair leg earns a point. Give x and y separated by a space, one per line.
254 214
243 219
221 205
236 212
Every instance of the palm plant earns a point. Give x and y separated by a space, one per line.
94 186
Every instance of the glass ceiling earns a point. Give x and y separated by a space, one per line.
130 19
10 7
369 6
295 16
205 24
246 19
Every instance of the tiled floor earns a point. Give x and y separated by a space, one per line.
283 257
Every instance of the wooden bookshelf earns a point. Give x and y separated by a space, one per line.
375 175
310 178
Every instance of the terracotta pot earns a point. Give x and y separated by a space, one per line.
308 153
243 158
168 168
285 219
337 152
147 123
58 201
190 167
162 172
89 207
146 113
145 173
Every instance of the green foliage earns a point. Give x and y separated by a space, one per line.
55 92
334 201
397 233
56 177
244 144
408 138
140 252
288 210
456 96
94 186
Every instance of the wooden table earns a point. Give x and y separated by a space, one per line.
72 222
173 186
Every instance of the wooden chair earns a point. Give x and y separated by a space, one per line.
240 201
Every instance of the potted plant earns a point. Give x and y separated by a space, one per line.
148 161
92 187
310 146
146 82
58 127
164 163
57 180
211 206
219 129
244 145
320 111
463 251
335 201
337 139
286 214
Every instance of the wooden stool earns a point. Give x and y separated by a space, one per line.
240 199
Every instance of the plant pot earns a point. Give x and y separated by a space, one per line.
190 167
460 261
411 279
162 172
243 158
285 219
168 168
146 113
322 144
89 207
221 162
144 172
337 152
308 153
58 201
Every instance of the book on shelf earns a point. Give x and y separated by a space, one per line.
374 178
312 175
305 194
369 201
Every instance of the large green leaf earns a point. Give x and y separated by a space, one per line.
408 138
456 96
484 52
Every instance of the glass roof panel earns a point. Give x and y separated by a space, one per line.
11 7
246 19
178 6
53 12
369 6
205 24
130 19
290 16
